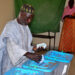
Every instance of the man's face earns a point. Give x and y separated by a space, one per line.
25 18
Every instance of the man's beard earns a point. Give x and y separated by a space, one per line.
23 23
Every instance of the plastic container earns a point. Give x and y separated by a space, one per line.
59 56
21 71
46 66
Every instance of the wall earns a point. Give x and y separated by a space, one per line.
7 13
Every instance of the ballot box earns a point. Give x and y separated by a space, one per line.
21 71
59 56
64 60
43 68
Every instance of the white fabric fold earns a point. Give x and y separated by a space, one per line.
14 51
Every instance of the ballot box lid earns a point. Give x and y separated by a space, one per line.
20 71
46 66
58 56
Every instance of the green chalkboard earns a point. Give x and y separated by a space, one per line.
47 14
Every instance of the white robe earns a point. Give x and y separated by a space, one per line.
15 42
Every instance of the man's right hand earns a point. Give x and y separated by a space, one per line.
33 56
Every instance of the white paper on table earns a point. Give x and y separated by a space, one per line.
44 45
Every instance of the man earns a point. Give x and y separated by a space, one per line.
17 40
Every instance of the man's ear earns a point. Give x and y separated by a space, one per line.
19 15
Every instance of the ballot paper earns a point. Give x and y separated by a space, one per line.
44 45
42 59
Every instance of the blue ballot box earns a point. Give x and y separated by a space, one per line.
45 66
52 65
59 56
21 71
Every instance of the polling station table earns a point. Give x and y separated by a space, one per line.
55 63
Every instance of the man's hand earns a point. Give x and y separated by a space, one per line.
33 56
34 48
38 49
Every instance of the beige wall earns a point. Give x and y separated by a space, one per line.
6 12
